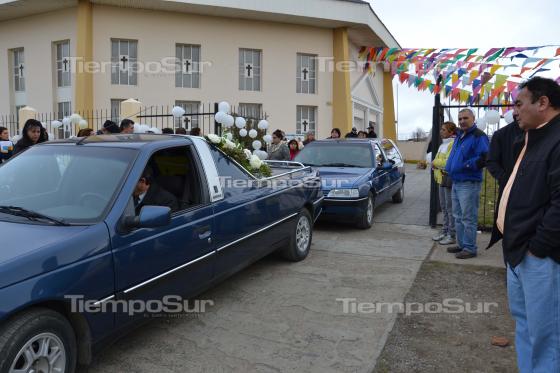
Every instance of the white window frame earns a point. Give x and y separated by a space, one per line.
253 57
128 49
190 107
187 52
309 62
250 110
63 71
18 58
309 113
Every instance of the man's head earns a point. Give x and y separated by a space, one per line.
371 127
538 102
466 119
180 131
144 182
195 131
110 127
4 135
167 131
354 130
310 136
127 126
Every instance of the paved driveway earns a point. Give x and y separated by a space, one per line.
277 316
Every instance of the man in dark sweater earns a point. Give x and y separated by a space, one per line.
147 193
529 219
500 162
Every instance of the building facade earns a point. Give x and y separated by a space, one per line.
294 60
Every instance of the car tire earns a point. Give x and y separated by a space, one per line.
300 240
43 332
366 220
399 196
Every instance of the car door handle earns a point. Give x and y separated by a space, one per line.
204 232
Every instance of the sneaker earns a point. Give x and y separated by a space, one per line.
448 240
439 237
464 255
454 249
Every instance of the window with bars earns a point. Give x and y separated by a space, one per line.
253 111
63 109
19 70
250 69
116 109
187 74
63 63
188 121
306 119
124 55
306 73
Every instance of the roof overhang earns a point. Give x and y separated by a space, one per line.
365 28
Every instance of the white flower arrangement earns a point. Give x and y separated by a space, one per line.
247 153
255 162
229 144
215 139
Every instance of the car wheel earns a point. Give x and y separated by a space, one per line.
366 220
38 340
399 196
300 240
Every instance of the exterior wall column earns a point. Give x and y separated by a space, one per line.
25 113
342 99
389 127
83 86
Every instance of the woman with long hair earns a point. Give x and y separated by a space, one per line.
33 133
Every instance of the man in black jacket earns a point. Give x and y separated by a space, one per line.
500 162
529 219
148 193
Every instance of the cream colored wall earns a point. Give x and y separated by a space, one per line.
36 35
220 40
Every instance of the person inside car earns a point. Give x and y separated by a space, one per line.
148 193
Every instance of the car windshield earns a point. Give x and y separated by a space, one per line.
66 184
336 155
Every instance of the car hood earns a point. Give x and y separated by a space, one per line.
342 177
28 250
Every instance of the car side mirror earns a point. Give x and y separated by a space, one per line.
150 217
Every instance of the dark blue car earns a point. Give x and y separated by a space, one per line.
75 252
357 175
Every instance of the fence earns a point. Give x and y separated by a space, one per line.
199 115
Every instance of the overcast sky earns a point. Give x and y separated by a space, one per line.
462 24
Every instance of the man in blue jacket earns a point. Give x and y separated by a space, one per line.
464 166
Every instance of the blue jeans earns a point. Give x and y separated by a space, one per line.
534 302
447 210
464 197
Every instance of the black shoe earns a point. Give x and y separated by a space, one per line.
454 249
464 255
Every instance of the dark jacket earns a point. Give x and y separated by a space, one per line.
468 156
500 162
372 135
533 209
157 196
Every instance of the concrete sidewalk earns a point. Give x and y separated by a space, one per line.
492 257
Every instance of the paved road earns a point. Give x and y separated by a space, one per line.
277 316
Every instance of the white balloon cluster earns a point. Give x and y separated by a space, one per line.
177 112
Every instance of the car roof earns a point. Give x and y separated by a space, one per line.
133 141
346 141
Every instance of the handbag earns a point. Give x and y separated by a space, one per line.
446 180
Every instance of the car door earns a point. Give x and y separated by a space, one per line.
176 259
395 174
381 176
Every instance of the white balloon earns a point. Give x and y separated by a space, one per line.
243 132
482 123
75 118
177 111
263 124
228 121
267 139
66 121
492 117
508 116
253 134
261 154
240 122
219 117
256 145
224 107
50 136
82 124
155 130
56 124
